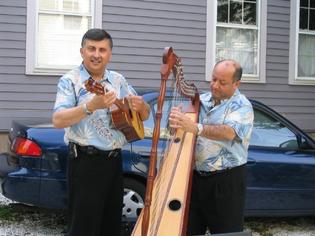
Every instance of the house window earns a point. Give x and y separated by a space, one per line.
237 32
302 43
54 32
306 48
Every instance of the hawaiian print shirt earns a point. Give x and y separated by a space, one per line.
236 112
96 129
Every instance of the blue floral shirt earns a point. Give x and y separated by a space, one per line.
96 129
236 112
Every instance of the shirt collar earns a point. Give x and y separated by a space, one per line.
236 92
85 75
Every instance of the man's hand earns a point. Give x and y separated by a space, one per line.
178 120
102 101
137 104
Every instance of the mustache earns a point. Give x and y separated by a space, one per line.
95 58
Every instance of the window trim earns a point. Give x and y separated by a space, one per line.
294 47
31 29
211 41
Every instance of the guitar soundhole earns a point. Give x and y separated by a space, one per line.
175 205
177 140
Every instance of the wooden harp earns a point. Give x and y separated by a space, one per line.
168 192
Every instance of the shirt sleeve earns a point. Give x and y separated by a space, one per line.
240 118
66 97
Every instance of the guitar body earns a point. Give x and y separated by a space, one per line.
124 119
128 122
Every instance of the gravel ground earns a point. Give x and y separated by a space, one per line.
22 220
25 220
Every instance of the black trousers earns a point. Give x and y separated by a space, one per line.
95 185
217 202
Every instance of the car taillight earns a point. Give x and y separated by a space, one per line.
25 147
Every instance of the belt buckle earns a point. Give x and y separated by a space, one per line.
202 173
90 150
206 174
112 154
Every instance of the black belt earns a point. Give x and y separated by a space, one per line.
215 172
91 150
210 173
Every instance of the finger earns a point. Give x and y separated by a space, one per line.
176 114
110 95
175 125
138 104
113 97
174 120
180 107
174 117
134 106
174 109
135 99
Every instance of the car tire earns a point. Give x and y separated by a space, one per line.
134 193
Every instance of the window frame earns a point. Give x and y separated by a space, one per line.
211 41
31 30
294 47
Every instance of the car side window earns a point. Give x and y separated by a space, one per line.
269 132
149 123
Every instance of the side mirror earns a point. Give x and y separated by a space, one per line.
303 143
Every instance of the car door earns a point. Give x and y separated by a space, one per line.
281 174
141 149
53 186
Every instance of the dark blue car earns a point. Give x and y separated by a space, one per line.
281 165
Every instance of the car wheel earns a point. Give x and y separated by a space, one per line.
134 192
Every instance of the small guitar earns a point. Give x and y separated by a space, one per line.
124 119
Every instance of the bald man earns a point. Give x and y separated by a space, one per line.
223 134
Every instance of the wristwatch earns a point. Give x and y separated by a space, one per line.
86 110
200 128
